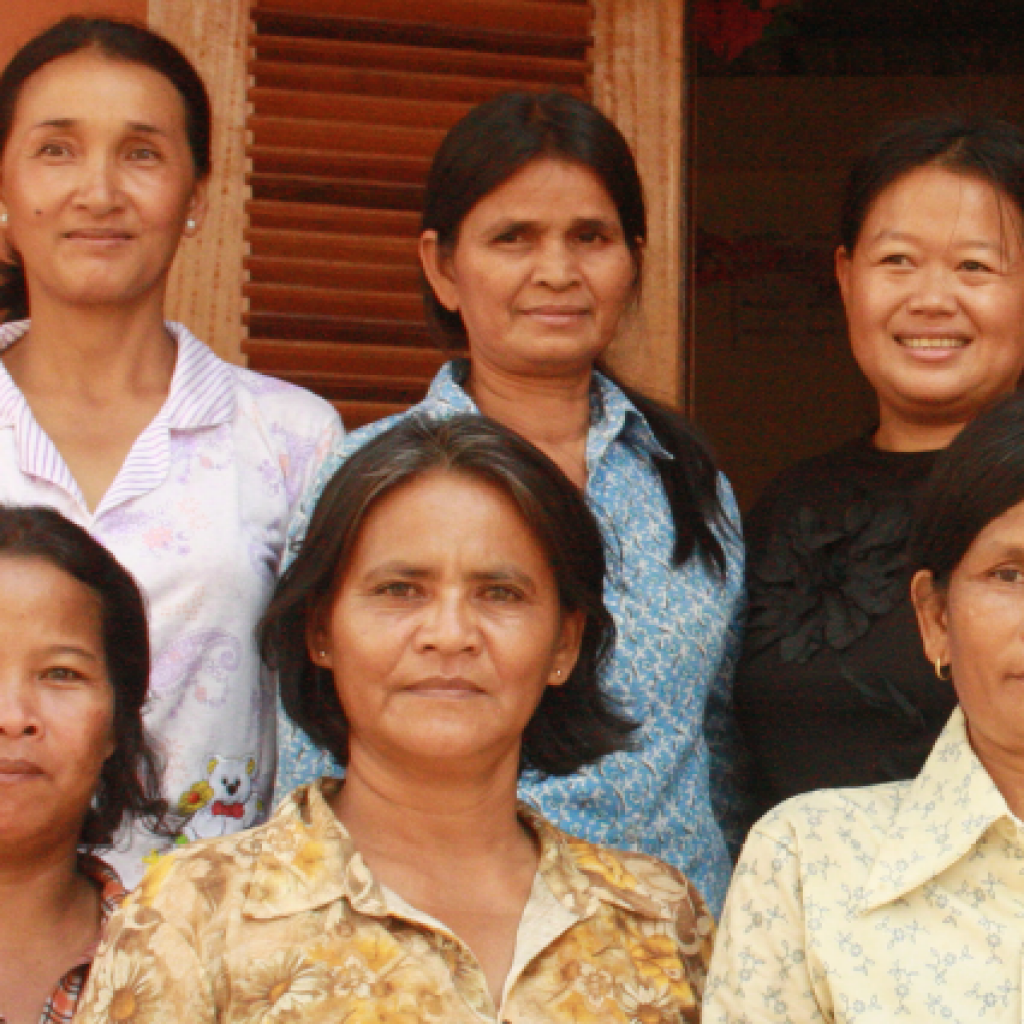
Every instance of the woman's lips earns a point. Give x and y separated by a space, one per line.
444 686
933 348
98 236
18 770
557 316
944 341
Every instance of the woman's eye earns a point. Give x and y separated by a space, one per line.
1008 574
975 267
502 594
511 237
896 259
61 674
54 149
143 154
396 589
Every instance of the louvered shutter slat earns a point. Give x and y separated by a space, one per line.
350 99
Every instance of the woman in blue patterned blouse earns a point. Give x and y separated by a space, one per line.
533 236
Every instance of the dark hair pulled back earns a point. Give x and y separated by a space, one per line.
973 145
481 152
118 41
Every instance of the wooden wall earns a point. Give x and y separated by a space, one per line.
638 82
205 290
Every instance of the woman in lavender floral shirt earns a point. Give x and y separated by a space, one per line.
187 468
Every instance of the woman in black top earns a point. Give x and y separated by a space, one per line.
834 688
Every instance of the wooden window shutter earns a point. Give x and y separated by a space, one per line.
349 100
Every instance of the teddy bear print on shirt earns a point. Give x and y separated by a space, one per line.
225 801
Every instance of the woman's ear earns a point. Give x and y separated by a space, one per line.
318 640
437 268
567 647
930 606
842 259
197 207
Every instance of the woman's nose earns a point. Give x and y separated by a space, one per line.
98 187
934 291
19 715
556 264
449 625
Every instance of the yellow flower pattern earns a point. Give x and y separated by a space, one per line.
285 924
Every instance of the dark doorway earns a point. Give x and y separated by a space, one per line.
785 95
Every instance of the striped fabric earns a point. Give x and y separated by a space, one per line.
202 395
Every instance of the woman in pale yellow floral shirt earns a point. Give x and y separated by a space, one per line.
439 633
904 901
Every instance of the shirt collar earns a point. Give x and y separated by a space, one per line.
112 893
11 399
201 394
612 414
941 817
307 860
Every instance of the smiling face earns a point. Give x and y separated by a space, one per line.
934 296
56 705
97 180
541 272
445 628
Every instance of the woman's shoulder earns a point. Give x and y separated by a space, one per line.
812 476
217 867
639 882
201 370
281 400
841 824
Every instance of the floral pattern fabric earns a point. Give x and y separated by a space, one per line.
895 902
286 923
680 794
199 514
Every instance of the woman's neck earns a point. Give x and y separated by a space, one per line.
899 434
551 412
434 817
95 353
42 893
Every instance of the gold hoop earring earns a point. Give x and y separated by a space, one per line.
938 670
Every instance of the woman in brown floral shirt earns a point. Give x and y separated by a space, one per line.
439 633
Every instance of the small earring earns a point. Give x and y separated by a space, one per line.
190 224
938 670
558 673
3 219
323 655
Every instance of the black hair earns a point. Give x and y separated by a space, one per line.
972 145
118 41
481 152
129 784
576 723
975 480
